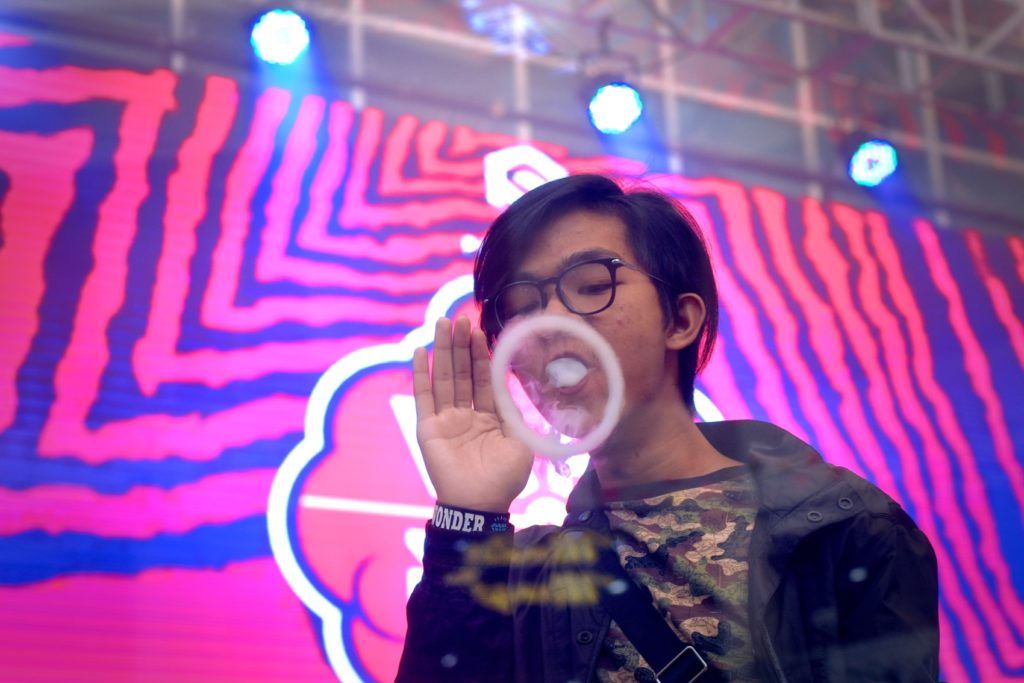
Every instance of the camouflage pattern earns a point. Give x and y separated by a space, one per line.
689 548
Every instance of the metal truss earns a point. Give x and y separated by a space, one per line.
946 34
936 41
945 54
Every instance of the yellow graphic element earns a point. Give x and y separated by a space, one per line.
571 581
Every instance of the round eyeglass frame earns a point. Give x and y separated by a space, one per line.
613 263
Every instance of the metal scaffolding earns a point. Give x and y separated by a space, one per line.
938 57
902 68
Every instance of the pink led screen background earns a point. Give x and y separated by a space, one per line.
182 258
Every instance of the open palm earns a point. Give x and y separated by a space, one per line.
470 460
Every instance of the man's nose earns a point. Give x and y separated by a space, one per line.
554 304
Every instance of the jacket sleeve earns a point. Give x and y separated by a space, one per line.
889 601
459 620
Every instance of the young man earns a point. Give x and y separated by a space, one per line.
772 564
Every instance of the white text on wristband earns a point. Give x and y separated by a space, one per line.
453 519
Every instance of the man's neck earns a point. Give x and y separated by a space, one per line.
659 442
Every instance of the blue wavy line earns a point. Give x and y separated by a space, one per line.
36 556
21 468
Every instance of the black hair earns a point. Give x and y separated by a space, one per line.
664 236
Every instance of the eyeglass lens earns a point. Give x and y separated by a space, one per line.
584 289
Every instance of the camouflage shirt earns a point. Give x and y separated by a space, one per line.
687 541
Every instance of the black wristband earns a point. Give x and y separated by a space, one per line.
468 521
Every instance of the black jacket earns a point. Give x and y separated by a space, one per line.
843 585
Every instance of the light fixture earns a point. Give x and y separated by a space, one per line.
507 23
280 36
614 106
873 162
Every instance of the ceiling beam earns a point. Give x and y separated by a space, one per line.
1001 33
949 50
928 19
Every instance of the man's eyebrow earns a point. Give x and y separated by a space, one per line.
570 260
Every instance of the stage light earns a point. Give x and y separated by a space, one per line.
873 162
280 36
614 107
507 24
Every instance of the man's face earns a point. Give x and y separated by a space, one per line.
634 325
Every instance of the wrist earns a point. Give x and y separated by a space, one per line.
468 520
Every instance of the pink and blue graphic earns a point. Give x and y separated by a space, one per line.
208 295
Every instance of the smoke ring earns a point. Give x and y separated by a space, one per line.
511 339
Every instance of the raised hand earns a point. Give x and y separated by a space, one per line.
471 461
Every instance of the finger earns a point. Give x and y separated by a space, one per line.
483 391
461 364
421 385
444 393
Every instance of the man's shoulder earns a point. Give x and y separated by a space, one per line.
874 502
791 474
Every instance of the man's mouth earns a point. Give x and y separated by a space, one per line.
565 372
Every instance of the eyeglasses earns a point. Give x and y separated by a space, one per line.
584 288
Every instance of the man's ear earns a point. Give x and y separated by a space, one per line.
689 317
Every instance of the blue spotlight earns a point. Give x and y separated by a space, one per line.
615 107
505 23
873 162
280 36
